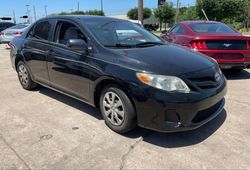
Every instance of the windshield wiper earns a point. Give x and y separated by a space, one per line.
120 46
149 43
143 44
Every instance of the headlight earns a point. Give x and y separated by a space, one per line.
167 83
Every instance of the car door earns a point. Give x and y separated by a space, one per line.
68 69
35 50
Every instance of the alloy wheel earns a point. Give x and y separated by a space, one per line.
113 108
23 74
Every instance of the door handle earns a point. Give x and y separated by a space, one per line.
51 52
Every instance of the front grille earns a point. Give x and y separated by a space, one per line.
204 114
205 82
226 44
204 79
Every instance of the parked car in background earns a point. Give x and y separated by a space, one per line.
5 25
8 34
217 40
134 81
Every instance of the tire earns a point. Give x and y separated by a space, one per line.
117 110
24 77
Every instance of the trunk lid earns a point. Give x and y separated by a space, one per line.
225 41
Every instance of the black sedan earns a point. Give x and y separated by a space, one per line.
130 74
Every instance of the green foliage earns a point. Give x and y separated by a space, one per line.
133 13
94 12
165 13
90 12
233 12
188 13
220 9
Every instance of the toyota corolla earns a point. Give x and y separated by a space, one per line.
131 75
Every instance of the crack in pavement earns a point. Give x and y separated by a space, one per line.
131 148
13 150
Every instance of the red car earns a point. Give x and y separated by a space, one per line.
217 40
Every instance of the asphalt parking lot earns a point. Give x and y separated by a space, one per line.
43 129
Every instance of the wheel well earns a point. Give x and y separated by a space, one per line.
105 83
18 58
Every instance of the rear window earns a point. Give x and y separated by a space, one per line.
19 26
5 25
211 28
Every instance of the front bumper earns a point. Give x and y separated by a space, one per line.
178 112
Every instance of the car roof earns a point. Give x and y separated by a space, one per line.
198 22
84 17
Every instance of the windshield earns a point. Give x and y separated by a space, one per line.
122 34
211 28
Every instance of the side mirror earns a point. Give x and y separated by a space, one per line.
77 44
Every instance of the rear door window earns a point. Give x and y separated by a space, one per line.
178 29
66 31
41 31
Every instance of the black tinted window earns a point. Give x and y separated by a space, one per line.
211 28
6 25
67 31
177 29
41 31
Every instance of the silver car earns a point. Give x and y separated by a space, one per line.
7 35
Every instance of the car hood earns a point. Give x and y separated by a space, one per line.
167 59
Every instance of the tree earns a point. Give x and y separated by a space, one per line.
188 13
233 12
220 9
90 12
133 13
95 12
165 14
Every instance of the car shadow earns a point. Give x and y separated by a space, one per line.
71 102
236 74
169 140
180 139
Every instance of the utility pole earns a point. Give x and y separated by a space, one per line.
140 11
102 5
177 10
203 11
45 8
28 14
78 6
14 17
34 9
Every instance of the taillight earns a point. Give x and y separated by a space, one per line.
17 33
248 44
198 44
